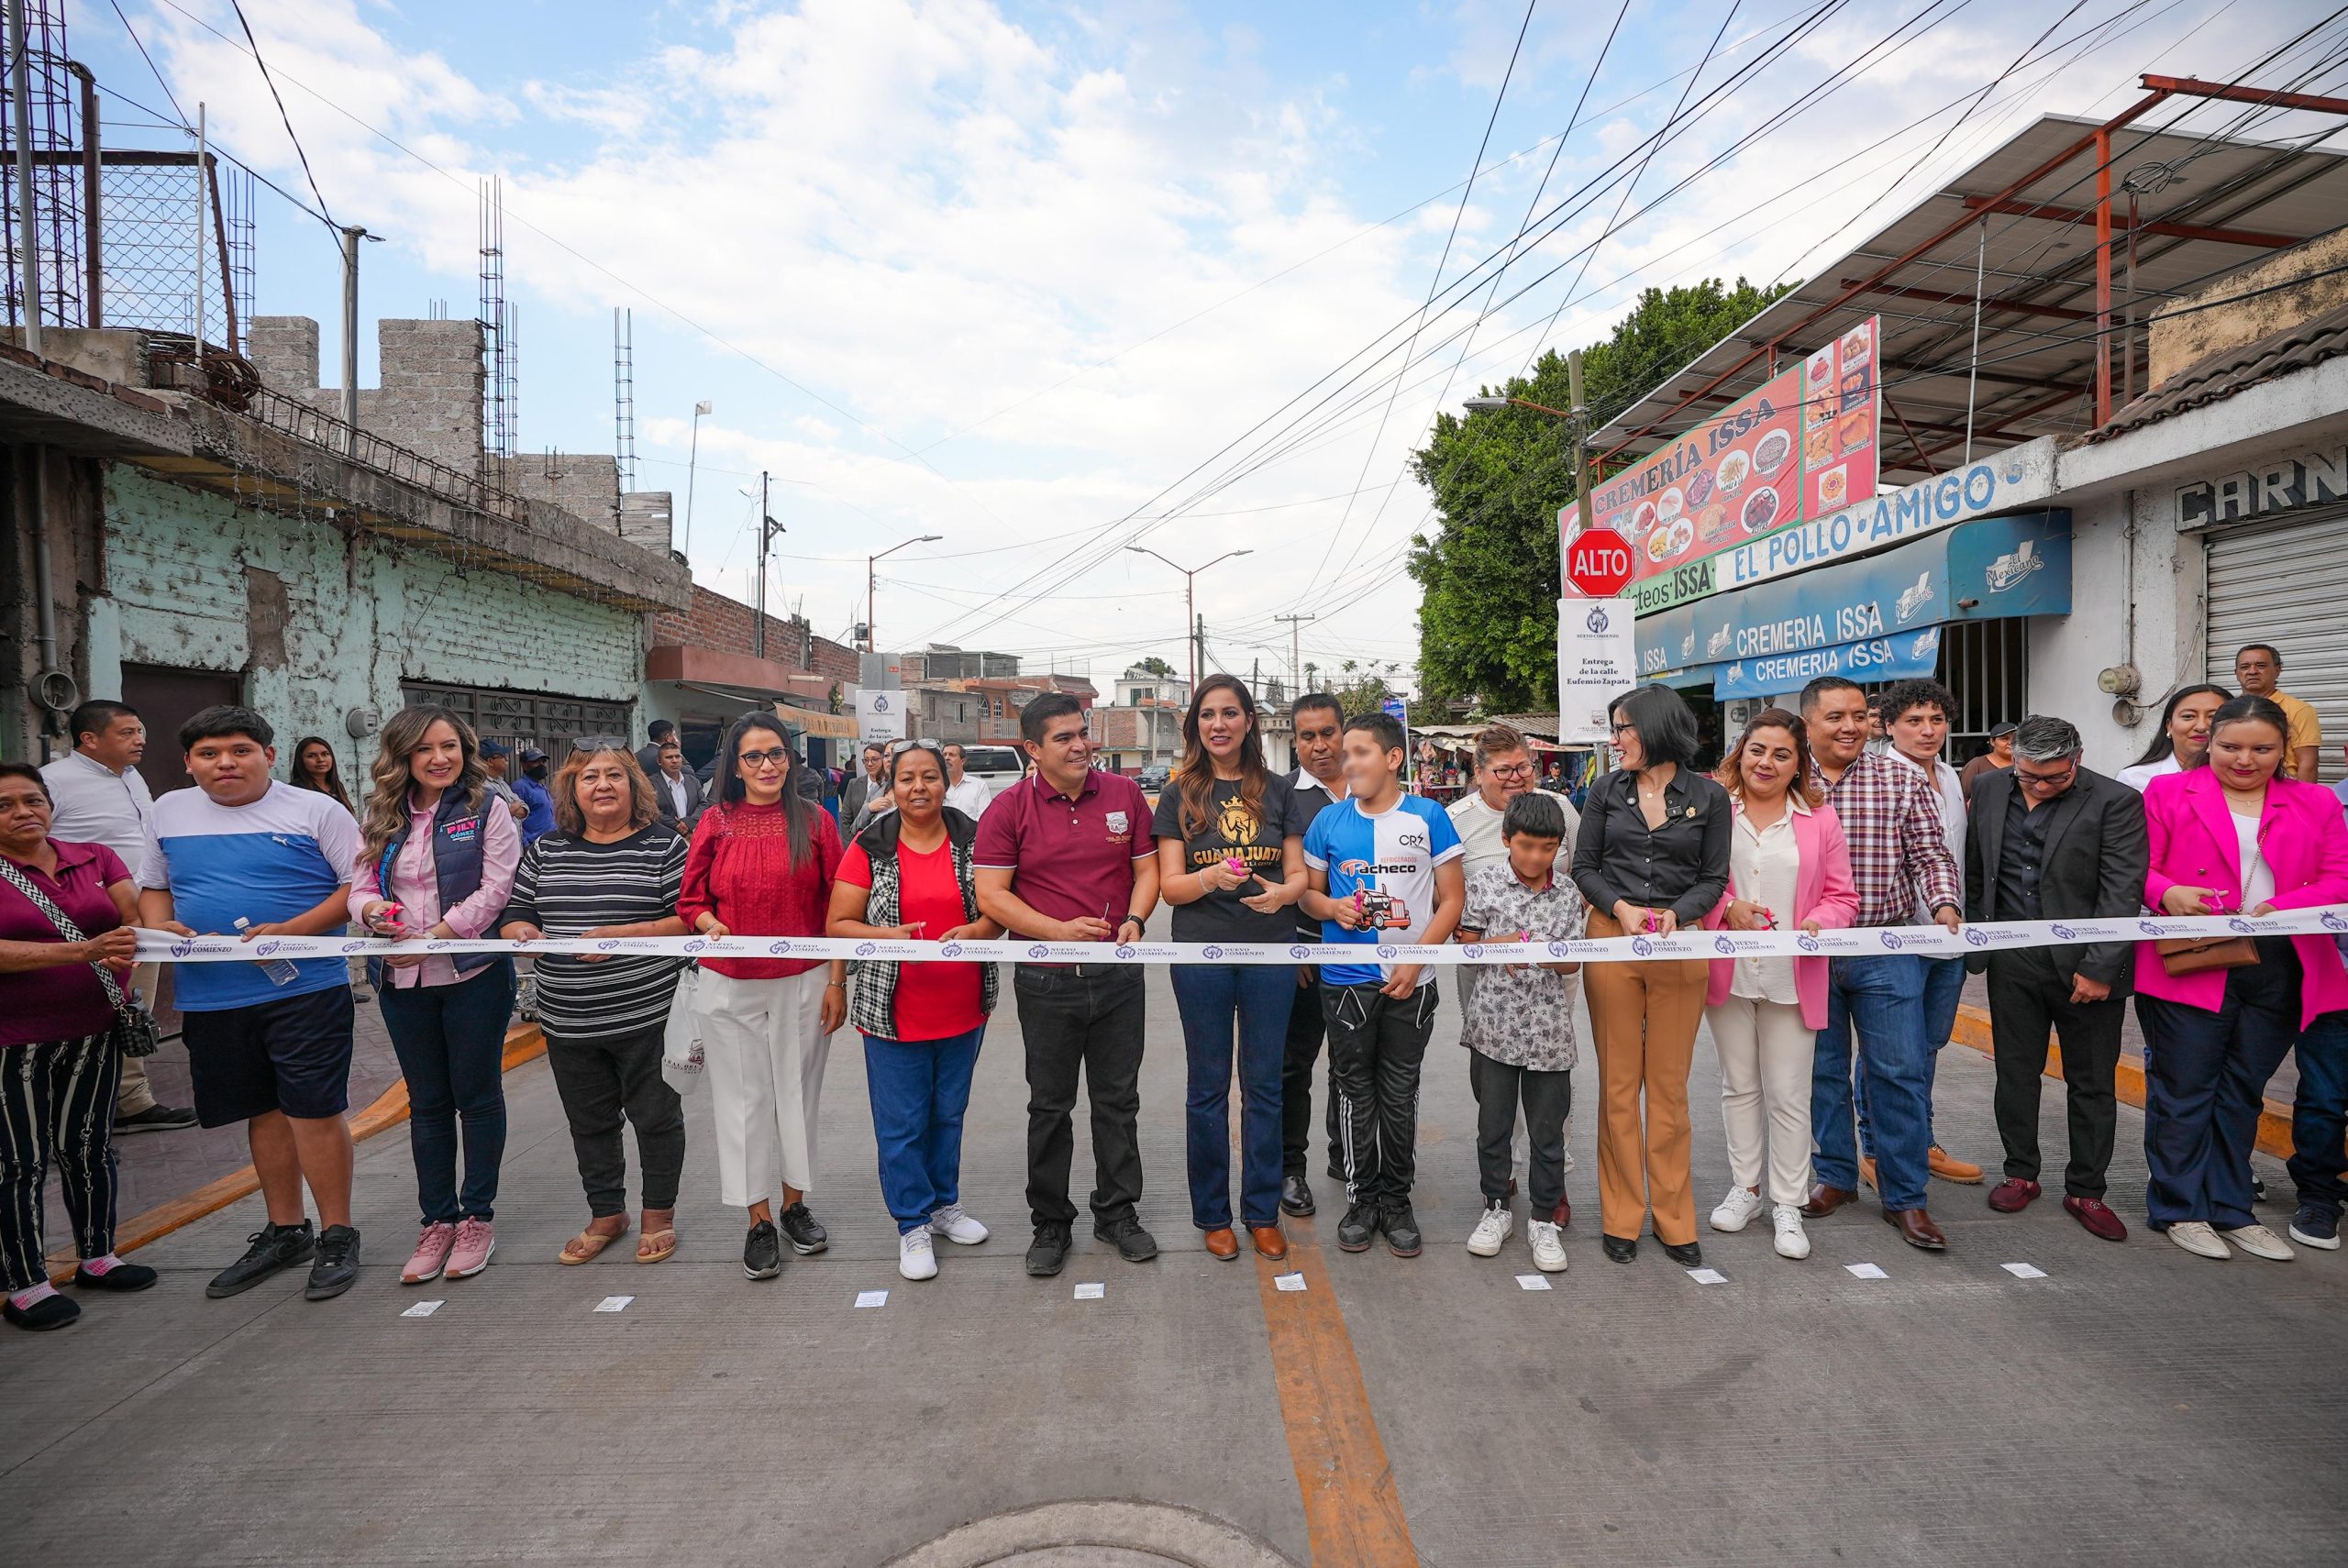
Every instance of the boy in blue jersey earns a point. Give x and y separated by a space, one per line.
268 1043
1382 867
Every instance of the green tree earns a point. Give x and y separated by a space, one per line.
1155 666
1488 574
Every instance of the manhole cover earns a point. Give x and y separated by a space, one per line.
1095 1535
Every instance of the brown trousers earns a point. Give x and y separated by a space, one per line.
1644 1016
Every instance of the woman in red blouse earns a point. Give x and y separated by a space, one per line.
761 865
61 1068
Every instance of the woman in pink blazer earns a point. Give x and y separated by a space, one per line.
2231 836
1788 868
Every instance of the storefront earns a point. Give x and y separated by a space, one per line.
2283 580
1952 604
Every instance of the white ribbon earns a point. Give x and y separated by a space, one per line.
1925 941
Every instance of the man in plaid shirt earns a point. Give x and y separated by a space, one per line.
1899 863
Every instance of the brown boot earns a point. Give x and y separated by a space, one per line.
1221 1243
1268 1242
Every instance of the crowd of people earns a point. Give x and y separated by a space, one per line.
1840 814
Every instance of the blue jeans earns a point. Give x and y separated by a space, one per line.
920 1089
450 1040
1943 988
1882 1000
1208 995
2320 1114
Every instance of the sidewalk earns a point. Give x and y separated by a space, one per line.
1429 1410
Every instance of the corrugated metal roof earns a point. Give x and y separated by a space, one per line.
2036 371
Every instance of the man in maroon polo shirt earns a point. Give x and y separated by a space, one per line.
1066 856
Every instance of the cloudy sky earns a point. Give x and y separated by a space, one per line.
1052 279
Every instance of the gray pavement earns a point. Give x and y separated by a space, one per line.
2133 1401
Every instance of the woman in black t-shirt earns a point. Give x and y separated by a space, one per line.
1231 861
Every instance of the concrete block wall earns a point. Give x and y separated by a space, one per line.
318 623
586 486
430 399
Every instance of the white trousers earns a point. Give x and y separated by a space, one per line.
1765 1051
764 1046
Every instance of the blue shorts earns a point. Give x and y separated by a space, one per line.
291 1055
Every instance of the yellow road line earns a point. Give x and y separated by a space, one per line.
1351 1512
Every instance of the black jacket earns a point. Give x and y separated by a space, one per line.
2096 854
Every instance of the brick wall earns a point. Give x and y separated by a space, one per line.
728 625
357 618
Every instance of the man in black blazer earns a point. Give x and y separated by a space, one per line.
2049 840
675 786
658 734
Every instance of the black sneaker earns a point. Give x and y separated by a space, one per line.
273 1247
1401 1228
1356 1227
154 1119
122 1276
51 1311
762 1251
1132 1243
1296 1196
806 1236
2315 1226
2258 1189
337 1267
1687 1254
1049 1251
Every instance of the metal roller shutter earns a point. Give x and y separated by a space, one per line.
2287 584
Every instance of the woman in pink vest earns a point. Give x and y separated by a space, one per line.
1789 869
2235 836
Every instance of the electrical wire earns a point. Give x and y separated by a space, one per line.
287 120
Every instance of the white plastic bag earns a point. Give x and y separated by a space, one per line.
680 1057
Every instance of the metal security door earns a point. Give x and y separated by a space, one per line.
2286 585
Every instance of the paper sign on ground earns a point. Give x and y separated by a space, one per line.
1865 1271
2024 1270
871 1299
1288 1282
423 1310
1533 1282
1707 1276
613 1303
1092 1292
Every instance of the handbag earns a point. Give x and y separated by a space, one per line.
2183 955
133 1031
681 1062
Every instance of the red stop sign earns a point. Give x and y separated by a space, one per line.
1598 563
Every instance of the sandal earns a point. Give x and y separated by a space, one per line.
588 1245
657 1245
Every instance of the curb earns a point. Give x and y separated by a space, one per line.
524 1042
1973 1029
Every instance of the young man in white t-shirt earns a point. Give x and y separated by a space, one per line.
1383 868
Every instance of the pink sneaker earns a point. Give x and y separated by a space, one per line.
475 1242
431 1253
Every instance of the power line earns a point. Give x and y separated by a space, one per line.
285 119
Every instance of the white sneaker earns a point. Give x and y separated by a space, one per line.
1737 1210
915 1258
1548 1252
956 1226
2259 1242
1793 1241
1491 1231
2200 1238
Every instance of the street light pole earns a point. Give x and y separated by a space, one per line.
693 470
871 579
1189 599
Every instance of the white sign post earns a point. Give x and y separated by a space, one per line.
880 715
1598 660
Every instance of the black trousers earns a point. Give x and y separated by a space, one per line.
1547 1099
1376 1048
2029 997
1306 1030
602 1082
56 1107
1088 1019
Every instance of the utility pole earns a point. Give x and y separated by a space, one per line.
351 234
27 218
202 152
1191 617
1295 658
768 529
1198 648
872 579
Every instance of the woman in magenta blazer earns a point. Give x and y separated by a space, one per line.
1788 868
2230 837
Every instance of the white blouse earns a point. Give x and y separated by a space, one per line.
1763 864
2257 881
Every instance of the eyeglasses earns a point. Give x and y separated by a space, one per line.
1513 770
902 747
1618 729
602 743
778 755
2045 780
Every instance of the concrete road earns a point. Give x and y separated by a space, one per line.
2133 1402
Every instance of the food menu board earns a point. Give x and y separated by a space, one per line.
1801 447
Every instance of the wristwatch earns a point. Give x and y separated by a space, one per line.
1141 926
